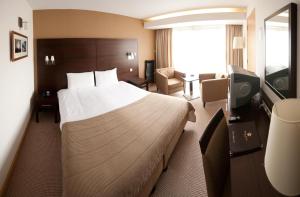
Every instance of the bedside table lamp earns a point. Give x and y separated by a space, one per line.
282 159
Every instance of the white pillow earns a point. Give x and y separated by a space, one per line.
107 77
80 80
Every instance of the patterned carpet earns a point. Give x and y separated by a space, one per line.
185 175
38 168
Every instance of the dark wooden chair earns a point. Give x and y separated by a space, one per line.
150 70
214 145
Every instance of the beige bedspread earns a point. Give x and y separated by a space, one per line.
114 154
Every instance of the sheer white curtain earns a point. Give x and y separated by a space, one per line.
199 49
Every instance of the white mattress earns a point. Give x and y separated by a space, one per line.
84 103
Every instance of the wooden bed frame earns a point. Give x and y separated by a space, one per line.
83 55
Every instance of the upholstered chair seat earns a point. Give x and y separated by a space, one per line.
174 83
168 80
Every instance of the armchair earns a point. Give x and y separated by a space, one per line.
169 81
206 76
214 89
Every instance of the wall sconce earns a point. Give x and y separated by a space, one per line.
130 55
52 59
46 59
49 61
22 23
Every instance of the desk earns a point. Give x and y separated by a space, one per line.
191 87
248 176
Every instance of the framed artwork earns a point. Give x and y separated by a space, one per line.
18 46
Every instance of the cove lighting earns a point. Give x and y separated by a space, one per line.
197 11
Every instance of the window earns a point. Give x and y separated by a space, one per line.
199 49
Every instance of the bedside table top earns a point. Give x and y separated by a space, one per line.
47 100
137 81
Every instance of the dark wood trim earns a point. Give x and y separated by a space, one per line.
292 93
293 52
12 57
208 132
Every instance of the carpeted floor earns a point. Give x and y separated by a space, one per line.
38 169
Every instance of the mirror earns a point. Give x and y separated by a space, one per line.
281 46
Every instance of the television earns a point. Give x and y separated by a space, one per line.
243 86
281 51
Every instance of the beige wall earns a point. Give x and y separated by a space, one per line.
91 24
16 83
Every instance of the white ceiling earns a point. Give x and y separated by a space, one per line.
135 8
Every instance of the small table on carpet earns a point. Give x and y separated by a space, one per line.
46 103
139 82
191 87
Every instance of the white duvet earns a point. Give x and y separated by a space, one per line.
84 103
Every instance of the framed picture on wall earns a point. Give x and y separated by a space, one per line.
18 46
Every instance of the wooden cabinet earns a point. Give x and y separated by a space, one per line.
45 103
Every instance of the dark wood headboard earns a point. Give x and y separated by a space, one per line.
83 55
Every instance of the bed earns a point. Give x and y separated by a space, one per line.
117 139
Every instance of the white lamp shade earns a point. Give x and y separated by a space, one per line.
238 42
282 159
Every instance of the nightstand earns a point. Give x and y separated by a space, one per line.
46 104
139 82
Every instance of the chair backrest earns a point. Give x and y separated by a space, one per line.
214 145
214 89
168 72
149 70
206 76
